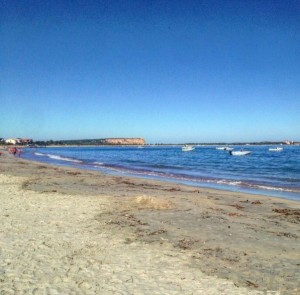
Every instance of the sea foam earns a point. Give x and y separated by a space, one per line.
60 158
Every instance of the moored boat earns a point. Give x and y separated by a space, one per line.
187 148
277 149
224 148
239 153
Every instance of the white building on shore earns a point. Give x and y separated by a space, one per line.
12 141
18 141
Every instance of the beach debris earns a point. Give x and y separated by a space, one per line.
287 211
217 252
129 280
74 172
134 221
251 284
217 209
125 219
41 167
173 189
237 206
293 215
157 232
127 182
113 222
186 243
256 203
284 234
234 214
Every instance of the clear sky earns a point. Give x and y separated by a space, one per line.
168 71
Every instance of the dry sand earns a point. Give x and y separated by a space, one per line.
67 231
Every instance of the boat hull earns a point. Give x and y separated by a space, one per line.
187 148
224 148
239 153
278 149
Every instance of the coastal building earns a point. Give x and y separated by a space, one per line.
288 142
18 141
26 140
11 141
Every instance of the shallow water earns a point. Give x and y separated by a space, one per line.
263 172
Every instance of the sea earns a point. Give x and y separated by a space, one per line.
262 172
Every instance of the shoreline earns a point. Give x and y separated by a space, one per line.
200 238
231 185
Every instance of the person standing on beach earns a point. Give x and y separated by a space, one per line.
19 152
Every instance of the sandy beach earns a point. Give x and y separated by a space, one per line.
67 231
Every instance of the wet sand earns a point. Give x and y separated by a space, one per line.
67 231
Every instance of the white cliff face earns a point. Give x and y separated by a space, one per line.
125 141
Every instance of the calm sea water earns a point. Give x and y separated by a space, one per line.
263 172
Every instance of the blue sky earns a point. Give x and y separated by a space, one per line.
168 71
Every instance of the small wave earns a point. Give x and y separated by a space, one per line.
278 189
60 158
246 184
99 163
257 186
182 177
39 154
228 182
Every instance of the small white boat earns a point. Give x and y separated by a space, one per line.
277 149
187 148
239 153
140 147
224 148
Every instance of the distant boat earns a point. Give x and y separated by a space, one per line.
224 148
140 147
187 148
239 153
277 149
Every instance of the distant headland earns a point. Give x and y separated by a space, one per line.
101 141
